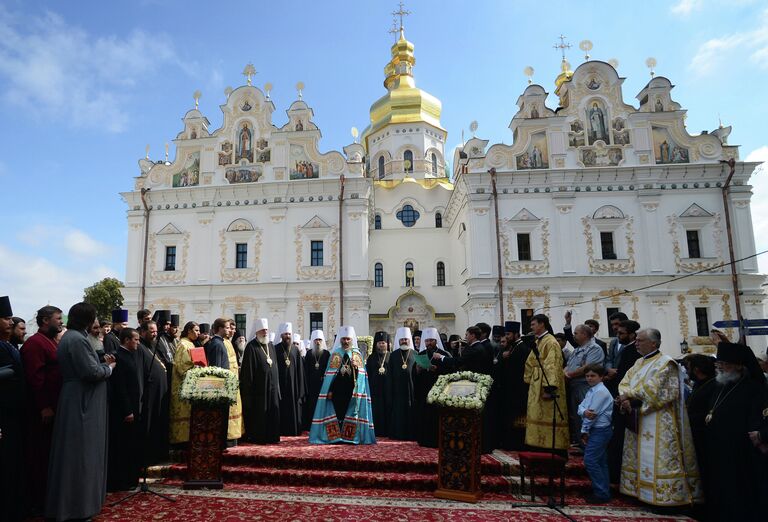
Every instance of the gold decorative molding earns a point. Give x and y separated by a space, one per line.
616 295
168 303
689 265
537 267
168 276
324 272
610 266
529 297
317 302
683 313
240 303
229 274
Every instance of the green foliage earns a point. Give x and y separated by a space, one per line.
105 296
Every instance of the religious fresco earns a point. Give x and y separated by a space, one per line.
537 155
244 143
225 156
666 150
263 153
301 166
620 132
576 135
600 156
244 174
189 176
597 122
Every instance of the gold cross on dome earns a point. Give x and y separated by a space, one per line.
394 29
401 13
562 46
249 71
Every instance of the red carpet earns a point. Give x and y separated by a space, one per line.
389 481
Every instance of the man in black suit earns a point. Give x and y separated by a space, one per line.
125 437
215 351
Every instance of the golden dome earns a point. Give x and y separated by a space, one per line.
404 102
565 74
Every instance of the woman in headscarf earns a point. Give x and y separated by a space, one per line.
187 357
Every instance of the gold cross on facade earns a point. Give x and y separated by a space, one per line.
562 46
248 72
401 13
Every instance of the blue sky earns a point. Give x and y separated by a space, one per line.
85 86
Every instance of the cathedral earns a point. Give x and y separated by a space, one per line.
598 206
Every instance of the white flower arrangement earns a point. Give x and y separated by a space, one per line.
442 394
193 390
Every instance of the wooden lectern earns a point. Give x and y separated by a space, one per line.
207 436
461 399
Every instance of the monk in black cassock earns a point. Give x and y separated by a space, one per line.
315 363
11 417
292 384
400 393
513 400
125 390
112 339
376 368
260 388
735 405
426 415
155 399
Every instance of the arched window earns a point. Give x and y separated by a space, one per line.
438 220
378 275
408 161
377 222
408 215
410 275
440 273
434 164
381 167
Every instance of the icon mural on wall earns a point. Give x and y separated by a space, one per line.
244 143
576 136
301 166
189 176
601 156
244 174
666 150
596 123
225 156
620 132
537 155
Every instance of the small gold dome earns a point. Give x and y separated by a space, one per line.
403 102
565 75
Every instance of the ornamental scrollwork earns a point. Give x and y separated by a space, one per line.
304 273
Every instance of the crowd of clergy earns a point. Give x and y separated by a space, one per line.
85 408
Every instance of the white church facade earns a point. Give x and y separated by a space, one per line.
593 201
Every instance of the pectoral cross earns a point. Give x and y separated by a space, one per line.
248 72
401 13
562 46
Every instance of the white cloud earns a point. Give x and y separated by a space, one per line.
685 7
55 69
716 52
759 204
74 242
35 281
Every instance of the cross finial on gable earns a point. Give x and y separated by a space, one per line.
249 72
562 46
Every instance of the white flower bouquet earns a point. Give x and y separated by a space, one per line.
211 385
462 390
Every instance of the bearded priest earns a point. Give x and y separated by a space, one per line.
315 363
260 388
343 411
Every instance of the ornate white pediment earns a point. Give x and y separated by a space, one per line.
316 222
524 215
168 229
696 211
608 212
240 225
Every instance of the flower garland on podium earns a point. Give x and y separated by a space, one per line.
192 391
440 396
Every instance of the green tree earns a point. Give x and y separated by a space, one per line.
105 296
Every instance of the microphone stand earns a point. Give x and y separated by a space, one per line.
551 390
143 486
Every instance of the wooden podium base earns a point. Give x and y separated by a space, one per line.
458 475
207 437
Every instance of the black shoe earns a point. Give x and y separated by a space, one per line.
592 499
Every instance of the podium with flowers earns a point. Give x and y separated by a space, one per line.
461 398
211 391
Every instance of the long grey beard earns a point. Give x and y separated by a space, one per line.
262 339
727 377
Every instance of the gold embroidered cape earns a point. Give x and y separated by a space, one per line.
180 410
235 425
